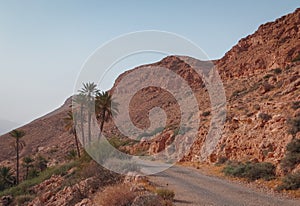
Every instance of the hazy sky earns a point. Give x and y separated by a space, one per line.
43 44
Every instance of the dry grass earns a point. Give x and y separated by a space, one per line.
116 195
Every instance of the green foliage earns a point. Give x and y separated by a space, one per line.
41 163
166 194
6 178
251 171
23 187
32 173
72 154
294 125
292 157
290 182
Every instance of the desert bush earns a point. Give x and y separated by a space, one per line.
265 117
295 105
292 156
251 171
290 182
23 187
206 113
166 194
294 125
267 76
72 154
116 195
222 160
41 163
277 71
32 173
23 199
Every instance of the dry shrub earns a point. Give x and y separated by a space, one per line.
116 195
102 176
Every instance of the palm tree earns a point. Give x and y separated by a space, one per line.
19 145
27 163
89 90
70 124
105 108
6 177
80 99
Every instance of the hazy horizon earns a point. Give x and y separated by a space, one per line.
44 44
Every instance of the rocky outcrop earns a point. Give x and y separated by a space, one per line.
273 45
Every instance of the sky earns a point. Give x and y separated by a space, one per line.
44 44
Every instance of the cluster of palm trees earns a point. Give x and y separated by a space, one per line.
89 101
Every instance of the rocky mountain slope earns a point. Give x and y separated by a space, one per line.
261 79
45 136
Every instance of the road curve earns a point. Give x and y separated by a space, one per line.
194 188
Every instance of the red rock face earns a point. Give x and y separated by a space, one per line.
273 45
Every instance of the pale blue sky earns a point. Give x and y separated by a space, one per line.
43 44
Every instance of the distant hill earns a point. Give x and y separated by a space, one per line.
6 126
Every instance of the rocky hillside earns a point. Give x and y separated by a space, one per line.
261 79
45 136
273 45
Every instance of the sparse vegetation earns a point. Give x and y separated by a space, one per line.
265 117
292 157
294 125
116 195
267 76
23 187
27 163
6 178
166 194
251 171
206 113
222 160
277 71
295 105
290 182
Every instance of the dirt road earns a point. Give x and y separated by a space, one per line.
194 188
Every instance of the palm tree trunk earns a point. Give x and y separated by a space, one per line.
77 145
89 127
81 124
101 125
17 146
